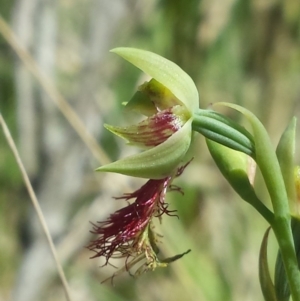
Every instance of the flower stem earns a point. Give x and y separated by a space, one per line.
268 163
281 228
223 130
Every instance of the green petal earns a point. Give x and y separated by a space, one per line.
164 71
141 103
158 162
159 95
155 129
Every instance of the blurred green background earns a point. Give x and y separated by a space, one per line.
240 51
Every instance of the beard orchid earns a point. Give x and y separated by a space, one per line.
168 102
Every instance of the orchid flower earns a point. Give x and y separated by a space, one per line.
168 102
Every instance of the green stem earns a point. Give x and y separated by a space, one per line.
268 163
260 207
281 228
223 130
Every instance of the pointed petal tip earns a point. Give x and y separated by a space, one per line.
108 126
115 50
110 167
111 128
124 50
101 168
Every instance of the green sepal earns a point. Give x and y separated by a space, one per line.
234 167
158 162
141 103
285 153
265 280
165 72
281 283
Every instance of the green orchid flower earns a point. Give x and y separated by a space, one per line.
168 101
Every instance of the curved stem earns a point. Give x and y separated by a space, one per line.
268 163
